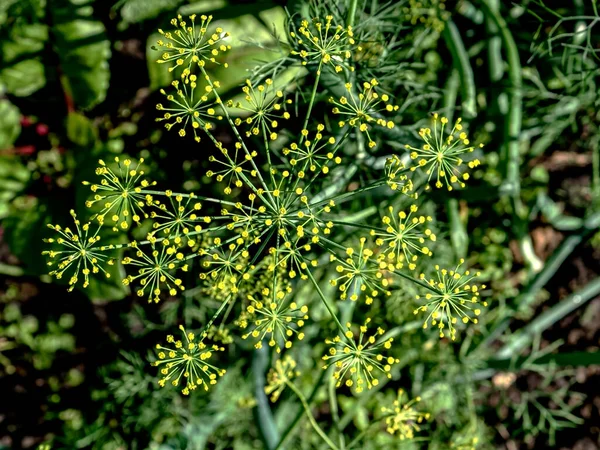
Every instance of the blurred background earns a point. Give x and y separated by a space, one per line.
78 82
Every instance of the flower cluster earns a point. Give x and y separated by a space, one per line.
404 236
441 154
186 362
275 320
278 377
453 297
364 110
360 271
325 43
402 419
191 43
358 360
79 252
265 106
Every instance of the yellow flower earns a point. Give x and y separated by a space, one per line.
190 43
366 110
279 376
186 363
404 237
441 154
402 419
275 319
325 43
358 361
453 297
80 252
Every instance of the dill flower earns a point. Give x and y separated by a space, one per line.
180 219
402 419
325 43
289 257
278 377
154 273
397 179
260 101
233 170
186 362
359 360
454 298
404 237
120 193
226 265
190 43
430 13
186 108
441 154
361 113
311 154
80 252
274 319
360 271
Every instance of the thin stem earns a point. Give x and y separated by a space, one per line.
310 416
333 404
325 302
312 98
294 423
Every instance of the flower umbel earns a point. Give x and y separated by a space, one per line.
186 363
358 360
80 252
190 42
325 43
454 297
265 106
362 113
440 155
279 376
404 237
275 320
402 419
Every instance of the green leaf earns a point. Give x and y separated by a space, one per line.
10 126
13 179
22 70
24 230
24 78
159 73
139 10
80 130
83 50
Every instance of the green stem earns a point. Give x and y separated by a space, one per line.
325 302
523 337
460 59
312 98
294 423
310 416
351 17
266 423
333 404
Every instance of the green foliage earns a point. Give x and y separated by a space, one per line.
301 194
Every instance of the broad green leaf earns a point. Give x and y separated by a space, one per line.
24 78
80 130
134 11
10 126
83 50
22 71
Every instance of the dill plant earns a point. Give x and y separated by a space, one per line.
280 224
